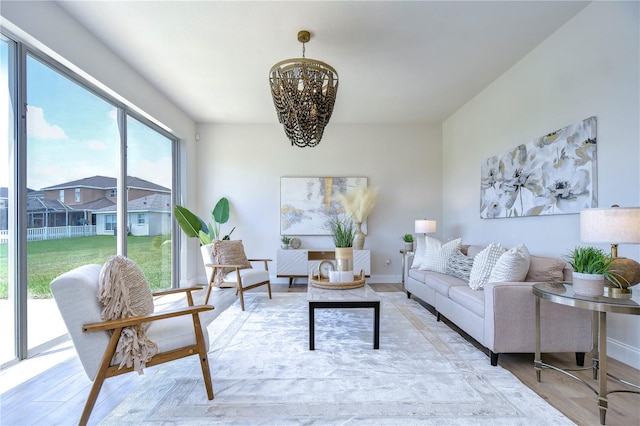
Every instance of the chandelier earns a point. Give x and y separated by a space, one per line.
304 92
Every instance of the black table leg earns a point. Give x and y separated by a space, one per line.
312 326
376 326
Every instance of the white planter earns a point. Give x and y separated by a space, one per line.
588 284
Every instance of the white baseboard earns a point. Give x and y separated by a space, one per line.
624 353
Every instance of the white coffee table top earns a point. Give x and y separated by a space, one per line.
364 293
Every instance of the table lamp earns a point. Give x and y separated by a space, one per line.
615 225
424 226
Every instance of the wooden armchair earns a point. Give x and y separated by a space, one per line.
227 265
178 333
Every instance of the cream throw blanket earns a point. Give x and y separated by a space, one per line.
124 292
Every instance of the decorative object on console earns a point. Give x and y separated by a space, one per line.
358 205
408 242
614 225
553 174
306 203
424 227
590 268
295 243
286 241
304 92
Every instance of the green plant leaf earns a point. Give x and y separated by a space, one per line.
204 238
220 213
189 222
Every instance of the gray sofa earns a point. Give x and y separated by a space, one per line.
501 317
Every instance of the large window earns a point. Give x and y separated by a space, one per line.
7 241
67 206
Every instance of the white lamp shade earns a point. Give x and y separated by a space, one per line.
614 225
424 226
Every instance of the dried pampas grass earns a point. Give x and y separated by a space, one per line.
359 203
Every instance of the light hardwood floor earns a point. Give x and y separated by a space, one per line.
52 388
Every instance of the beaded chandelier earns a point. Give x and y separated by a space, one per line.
304 92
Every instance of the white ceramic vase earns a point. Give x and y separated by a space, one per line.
588 284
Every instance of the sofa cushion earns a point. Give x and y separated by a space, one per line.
441 283
513 265
437 254
459 265
228 252
483 264
418 257
473 250
545 269
468 298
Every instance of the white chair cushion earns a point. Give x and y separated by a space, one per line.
249 276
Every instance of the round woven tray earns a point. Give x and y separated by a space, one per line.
358 281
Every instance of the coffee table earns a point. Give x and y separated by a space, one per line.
362 297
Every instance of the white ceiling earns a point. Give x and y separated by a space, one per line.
398 61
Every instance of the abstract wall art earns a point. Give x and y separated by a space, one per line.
307 203
553 174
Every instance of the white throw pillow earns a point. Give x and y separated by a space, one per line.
513 265
483 264
436 254
418 256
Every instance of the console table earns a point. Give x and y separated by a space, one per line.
562 293
300 263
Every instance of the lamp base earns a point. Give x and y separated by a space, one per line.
617 293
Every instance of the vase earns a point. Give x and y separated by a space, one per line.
588 284
358 237
408 246
344 258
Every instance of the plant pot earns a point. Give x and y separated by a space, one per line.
408 246
285 246
344 258
588 284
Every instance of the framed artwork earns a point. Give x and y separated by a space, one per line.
306 203
553 174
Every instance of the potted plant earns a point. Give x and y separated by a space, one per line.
408 242
194 227
358 205
285 241
591 267
342 232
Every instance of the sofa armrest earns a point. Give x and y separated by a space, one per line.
510 321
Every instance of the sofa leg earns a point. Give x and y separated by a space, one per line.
408 295
438 316
494 358
580 359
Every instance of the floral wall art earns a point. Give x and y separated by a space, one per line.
553 174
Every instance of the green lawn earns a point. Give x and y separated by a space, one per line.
48 259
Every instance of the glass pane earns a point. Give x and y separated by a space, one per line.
72 163
149 167
7 284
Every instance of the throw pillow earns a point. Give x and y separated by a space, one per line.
513 265
483 263
436 254
124 292
459 266
418 255
228 252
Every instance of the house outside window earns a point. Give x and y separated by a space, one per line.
61 195
110 222
142 218
77 195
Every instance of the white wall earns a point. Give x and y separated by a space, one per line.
244 162
589 67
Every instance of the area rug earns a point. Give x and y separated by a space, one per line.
264 374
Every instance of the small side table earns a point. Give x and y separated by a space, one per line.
404 254
562 293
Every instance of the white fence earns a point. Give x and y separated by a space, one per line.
52 233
